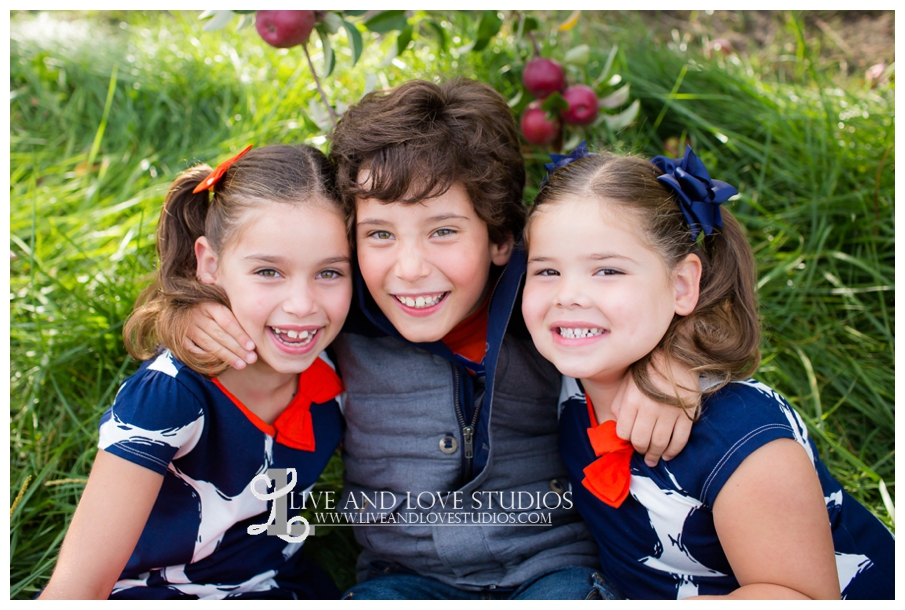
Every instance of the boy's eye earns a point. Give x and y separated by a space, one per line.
443 232
547 272
268 272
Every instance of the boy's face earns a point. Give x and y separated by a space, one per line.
426 264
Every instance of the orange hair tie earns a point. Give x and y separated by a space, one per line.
214 177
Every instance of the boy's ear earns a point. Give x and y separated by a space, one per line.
688 284
500 253
207 261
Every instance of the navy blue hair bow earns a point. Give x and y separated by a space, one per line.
699 196
580 152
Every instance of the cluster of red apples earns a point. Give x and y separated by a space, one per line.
543 77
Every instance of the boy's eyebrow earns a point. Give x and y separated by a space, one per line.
442 217
380 221
371 221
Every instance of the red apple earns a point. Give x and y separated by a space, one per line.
536 127
582 105
284 29
543 76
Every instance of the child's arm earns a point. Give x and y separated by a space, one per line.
215 330
106 527
654 429
772 522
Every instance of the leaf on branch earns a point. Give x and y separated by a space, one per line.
387 21
216 19
355 42
332 21
578 56
531 24
441 34
329 57
245 20
487 29
404 38
615 99
554 104
607 67
622 120
569 23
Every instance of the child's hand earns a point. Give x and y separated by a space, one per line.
215 330
654 429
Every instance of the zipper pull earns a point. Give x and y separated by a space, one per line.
468 441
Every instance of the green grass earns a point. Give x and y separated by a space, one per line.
108 108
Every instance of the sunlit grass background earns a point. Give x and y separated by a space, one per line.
107 108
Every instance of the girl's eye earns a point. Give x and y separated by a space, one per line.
329 274
268 273
443 232
380 234
547 272
607 271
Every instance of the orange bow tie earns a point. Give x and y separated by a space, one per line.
609 476
294 427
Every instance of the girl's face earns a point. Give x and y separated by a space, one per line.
287 274
597 298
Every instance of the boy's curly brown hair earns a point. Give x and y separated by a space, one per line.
417 140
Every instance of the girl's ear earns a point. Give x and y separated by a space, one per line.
207 261
500 253
687 284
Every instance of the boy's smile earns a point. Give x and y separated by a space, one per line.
427 264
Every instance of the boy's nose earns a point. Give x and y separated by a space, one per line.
411 265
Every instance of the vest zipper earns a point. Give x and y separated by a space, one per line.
467 430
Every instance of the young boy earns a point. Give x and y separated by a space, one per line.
446 396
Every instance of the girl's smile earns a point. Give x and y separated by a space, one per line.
597 298
288 279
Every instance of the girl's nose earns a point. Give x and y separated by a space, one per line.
300 302
571 294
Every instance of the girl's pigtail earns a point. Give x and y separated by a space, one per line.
181 224
163 309
720 339
727 329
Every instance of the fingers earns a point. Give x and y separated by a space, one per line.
228 332
625 413
661 436
680 434
215 331
207 345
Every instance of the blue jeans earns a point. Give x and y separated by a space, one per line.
572 582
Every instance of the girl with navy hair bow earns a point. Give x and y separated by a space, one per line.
632 264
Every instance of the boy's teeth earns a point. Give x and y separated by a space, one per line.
420 302
579 333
